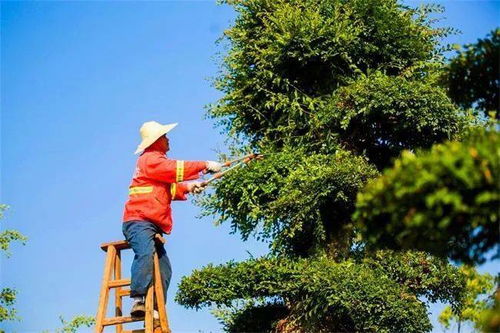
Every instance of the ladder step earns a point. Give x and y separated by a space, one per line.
119 245
156 330
120 320
123 292
118 283
124 245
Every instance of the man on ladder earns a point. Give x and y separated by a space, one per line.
156 182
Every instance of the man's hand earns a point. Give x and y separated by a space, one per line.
213 166
196 187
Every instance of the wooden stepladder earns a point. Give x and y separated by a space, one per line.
154 293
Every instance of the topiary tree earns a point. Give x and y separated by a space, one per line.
330 91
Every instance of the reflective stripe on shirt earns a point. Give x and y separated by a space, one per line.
173 189
179 171
140 190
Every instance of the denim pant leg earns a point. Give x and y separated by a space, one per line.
165 269
140 235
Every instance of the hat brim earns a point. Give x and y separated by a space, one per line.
150 140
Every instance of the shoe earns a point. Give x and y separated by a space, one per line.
156 319
138 309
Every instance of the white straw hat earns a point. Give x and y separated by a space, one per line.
150 132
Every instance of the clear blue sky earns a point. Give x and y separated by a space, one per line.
77 81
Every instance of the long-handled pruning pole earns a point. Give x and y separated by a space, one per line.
239 162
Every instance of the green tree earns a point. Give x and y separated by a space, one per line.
8 295
330 91
444 201
473 75
474 303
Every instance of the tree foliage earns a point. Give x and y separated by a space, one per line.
379 115
298 200
306 78
330 91
444 201
474 303
9 236
8 295
288 57
473 75
377 293
75 323
7 300
490 318
251 316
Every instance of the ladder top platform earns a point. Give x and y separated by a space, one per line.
123 244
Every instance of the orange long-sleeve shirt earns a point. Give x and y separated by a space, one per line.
156 182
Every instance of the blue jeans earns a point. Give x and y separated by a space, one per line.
140 235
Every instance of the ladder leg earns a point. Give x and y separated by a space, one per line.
160 298
148 320
118 298
104 294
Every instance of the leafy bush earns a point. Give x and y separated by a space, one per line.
379 115
302 202
444 201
